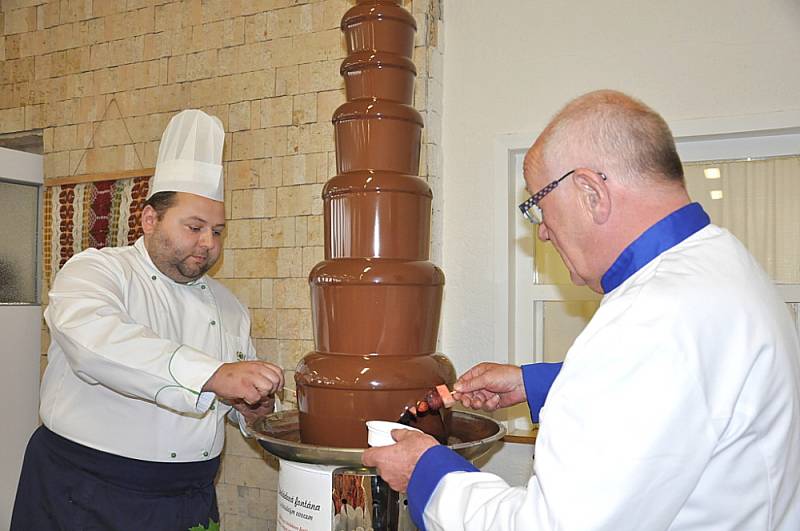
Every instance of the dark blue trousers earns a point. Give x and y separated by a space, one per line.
67 486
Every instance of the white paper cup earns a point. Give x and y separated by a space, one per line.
379 432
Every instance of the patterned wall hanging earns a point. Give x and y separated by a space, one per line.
91 214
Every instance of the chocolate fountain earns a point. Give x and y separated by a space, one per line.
375 299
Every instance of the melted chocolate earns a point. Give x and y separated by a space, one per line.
373 134
377 214
375 299
376 25
369 73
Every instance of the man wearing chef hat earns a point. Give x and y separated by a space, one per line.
148 356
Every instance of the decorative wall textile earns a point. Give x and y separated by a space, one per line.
92 214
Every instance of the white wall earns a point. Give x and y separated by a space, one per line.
511 64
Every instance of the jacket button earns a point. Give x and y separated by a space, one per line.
213 323
205 454
173 455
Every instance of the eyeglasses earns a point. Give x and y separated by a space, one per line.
530 208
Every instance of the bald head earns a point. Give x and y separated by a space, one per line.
611 132
621 173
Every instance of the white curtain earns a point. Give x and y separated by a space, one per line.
759 202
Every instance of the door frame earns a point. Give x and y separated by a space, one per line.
21 354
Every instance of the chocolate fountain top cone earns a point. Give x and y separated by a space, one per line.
380 26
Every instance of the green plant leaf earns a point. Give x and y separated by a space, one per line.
212 526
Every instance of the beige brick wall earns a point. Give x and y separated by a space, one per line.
270 70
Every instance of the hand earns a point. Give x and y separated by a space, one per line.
249 381
254 412
395 463
490 386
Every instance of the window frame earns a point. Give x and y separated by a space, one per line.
519 300
27 169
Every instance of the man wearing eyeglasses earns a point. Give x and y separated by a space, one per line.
678 406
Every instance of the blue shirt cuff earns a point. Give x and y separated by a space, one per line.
434 464
538 378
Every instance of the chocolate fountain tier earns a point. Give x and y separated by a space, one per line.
377 215
379 25
337 394
373 134
390 76
364 306
376 373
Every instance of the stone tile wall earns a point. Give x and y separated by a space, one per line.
269 69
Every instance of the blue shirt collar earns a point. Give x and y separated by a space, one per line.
664 235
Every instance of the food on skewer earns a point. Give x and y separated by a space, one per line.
435 399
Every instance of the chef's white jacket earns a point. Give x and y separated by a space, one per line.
676 408
131 350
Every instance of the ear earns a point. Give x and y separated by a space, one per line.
594 194
149 220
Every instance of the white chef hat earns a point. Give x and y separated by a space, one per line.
190 156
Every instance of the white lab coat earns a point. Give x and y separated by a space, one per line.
677 408
131 350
